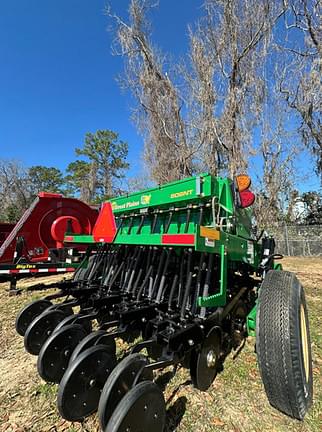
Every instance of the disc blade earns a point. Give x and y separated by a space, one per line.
119 383
91 340
204 363
41 328
54 355
141 409
29 313
72 319
80 388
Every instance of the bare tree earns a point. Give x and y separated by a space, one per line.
138 182
203 114
301 82
228 49
277 153
276 192
200 95
14 190
208 122
158 113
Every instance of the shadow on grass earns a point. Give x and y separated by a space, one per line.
176 410
175 413
163 380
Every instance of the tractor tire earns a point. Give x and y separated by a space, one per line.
283 344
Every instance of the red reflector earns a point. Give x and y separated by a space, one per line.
247 198
178 239
69 238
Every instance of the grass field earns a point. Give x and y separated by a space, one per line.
236 401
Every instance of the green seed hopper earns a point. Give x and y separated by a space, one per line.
206 213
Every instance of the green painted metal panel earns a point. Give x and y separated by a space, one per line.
175 208
171 194
224 194
277 266
218 299
251 321
244 222
76 238
151 239
238 249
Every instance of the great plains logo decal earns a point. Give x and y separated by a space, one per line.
145 199
126 205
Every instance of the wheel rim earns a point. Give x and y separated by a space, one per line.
66 321
305 345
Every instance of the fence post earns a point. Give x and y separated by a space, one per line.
286 239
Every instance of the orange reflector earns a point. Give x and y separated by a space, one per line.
243 182
209 233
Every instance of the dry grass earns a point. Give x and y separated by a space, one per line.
236 402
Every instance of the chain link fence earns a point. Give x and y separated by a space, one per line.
298 240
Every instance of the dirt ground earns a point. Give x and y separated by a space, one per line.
236 402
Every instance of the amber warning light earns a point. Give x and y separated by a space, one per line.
243 182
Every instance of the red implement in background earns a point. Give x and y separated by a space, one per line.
5 230
43 225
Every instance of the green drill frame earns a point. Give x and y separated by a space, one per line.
218 299
199 212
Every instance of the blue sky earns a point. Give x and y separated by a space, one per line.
57 76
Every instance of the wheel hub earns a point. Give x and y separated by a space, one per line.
211 359
40 330
29 313
92 382
203 363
